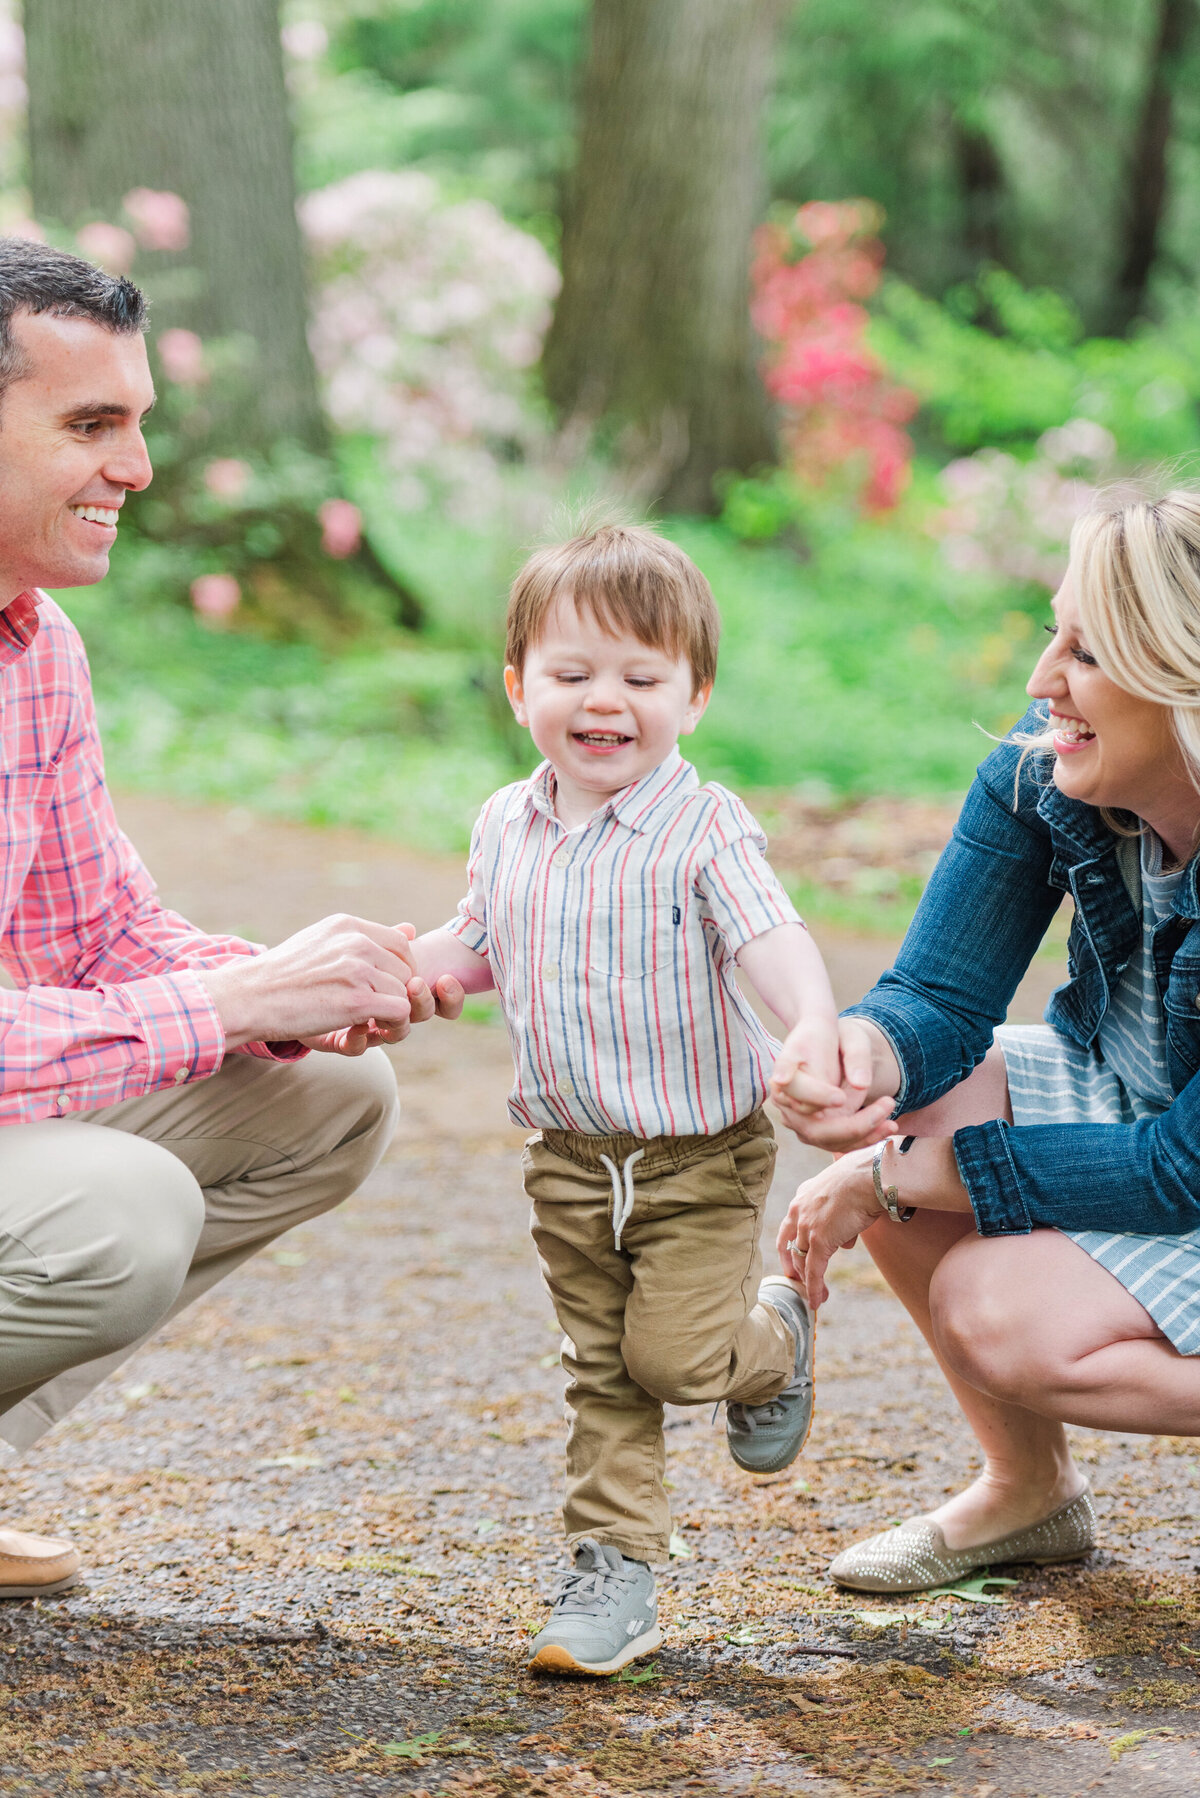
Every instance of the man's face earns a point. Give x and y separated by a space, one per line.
70 445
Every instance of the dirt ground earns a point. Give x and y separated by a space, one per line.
319 1513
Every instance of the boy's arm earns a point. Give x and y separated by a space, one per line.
439 953
785 968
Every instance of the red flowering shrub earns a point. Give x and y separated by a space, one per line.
841 413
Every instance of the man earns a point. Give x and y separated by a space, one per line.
141 1158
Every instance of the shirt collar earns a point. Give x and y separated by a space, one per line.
18 627
632 805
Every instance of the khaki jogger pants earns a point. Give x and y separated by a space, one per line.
669 1317
112 1221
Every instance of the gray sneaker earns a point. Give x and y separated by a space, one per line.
764 1438
605 1615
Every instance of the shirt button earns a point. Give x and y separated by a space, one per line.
181 1075
550 970
566 1089
64 1103
561 859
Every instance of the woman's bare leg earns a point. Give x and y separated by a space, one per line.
1028 1470
1034 1321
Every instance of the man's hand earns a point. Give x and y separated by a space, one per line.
334 978
850 1122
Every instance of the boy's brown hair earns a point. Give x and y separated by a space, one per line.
630 579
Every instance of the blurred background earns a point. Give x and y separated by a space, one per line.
860 303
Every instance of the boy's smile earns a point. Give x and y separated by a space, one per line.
604 709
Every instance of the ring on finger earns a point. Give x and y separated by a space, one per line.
794 1249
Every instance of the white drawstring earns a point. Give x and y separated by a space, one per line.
622 1200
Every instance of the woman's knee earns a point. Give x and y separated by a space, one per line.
980 1319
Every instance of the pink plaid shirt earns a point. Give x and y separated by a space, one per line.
107 1006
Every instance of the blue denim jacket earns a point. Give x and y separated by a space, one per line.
1018 847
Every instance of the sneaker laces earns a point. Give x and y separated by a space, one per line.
622 1199
584 1591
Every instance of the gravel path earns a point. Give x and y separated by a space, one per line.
319 1513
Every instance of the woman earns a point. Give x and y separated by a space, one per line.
1044 1187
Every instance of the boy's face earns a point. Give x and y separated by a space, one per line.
604 710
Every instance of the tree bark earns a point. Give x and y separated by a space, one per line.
981 183
151 93
1145 200
652 335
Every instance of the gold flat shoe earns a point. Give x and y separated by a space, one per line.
914 1556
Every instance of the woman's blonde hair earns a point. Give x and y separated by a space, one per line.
1135 563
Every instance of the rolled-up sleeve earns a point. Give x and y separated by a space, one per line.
981 918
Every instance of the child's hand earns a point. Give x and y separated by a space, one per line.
808 1070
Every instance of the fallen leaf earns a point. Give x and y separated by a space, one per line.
627 1676
678 1549
292 1461
975 1590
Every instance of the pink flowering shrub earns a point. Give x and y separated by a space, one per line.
841 414
159 219
1011 518
428 316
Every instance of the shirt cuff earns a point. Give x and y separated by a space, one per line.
179 1025
988 1173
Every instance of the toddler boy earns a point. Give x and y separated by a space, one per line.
611 896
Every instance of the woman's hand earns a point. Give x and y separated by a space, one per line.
850 1122
826 1215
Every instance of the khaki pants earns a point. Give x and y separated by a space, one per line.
669 1317
114 1220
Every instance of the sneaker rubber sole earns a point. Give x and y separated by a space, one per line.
554 1658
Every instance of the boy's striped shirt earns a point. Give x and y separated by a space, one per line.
612 949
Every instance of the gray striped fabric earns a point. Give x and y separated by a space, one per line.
1053 1081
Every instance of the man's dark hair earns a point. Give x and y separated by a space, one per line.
35 278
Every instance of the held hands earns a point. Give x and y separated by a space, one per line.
340 985
827 1214
443 1000
821 1087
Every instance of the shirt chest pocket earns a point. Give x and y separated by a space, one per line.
633 935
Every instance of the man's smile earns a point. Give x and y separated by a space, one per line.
105 515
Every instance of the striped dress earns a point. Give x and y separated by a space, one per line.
1120 1080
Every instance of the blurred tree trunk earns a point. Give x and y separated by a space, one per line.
151 93
1145 199
981 183
652 332
191 98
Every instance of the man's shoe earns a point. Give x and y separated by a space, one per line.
765 1438
913 1557
605 1615
36 1566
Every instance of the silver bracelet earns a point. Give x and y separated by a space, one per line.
889 1196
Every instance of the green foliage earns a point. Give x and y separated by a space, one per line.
1030 369
478 91
864 668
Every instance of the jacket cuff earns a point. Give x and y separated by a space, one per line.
986 1166
904 1043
